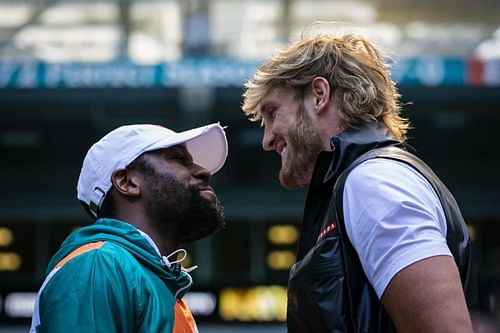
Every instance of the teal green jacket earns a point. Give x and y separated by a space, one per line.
108 278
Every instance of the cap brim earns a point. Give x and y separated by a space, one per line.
207 145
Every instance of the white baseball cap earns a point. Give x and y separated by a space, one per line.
120 147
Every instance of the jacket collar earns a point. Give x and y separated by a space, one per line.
348 145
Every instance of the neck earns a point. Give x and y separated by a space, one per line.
157 231
328 125
165 245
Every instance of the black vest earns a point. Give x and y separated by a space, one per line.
328 290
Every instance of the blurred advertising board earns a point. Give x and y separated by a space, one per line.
220 72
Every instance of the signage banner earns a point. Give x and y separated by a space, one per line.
223 73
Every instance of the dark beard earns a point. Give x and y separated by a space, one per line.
203 218
302 151
182 209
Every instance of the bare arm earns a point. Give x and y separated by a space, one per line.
427 297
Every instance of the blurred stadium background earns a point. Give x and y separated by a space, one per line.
72 70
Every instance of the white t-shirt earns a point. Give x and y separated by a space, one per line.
393 218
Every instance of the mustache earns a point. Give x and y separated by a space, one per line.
201 186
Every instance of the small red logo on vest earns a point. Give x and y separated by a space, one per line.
330 227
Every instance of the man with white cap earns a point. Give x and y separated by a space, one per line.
148 189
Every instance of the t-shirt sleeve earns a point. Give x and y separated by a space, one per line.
393 219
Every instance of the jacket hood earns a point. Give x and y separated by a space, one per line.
128 237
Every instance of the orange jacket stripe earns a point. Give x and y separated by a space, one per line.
78 251
184 321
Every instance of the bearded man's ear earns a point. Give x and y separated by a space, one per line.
127 182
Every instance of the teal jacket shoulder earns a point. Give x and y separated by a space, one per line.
117 284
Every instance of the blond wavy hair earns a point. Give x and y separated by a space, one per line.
358 75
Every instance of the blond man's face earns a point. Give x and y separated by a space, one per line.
289 130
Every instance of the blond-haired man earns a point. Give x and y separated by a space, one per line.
383 245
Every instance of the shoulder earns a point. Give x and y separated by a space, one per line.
380 171
385 186
106 251
393 217
101 262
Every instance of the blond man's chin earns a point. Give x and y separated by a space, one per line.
293 181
